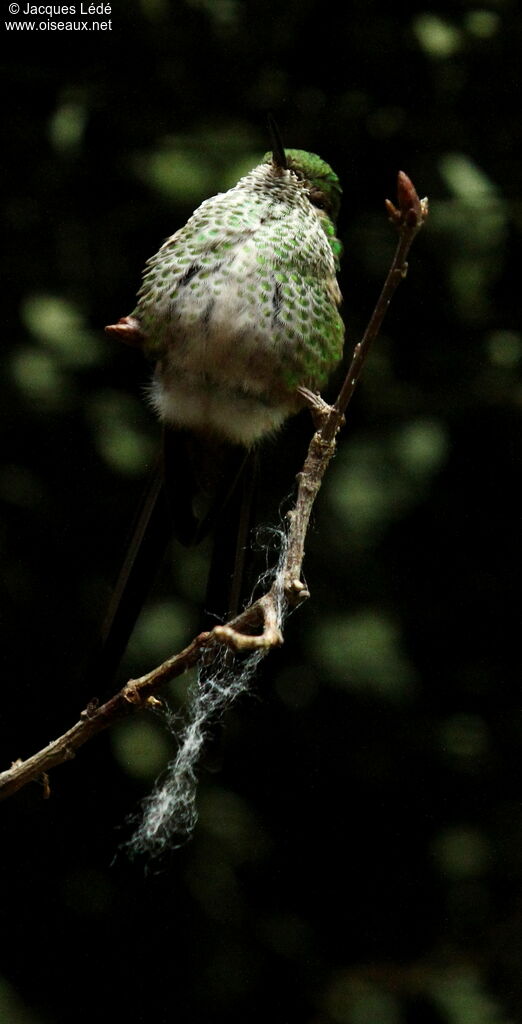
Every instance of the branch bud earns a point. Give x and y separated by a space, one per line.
411 211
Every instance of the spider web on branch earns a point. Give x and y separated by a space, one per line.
169 813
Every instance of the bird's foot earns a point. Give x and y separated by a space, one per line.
320 410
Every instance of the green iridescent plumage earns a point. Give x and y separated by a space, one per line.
319 175
241 305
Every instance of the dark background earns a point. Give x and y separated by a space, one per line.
358 855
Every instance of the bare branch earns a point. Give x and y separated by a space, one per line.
257 628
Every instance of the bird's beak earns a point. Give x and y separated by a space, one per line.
278 153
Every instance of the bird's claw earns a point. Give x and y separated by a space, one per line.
320 410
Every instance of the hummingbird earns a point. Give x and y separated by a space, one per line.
237 310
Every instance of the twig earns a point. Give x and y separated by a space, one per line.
257 627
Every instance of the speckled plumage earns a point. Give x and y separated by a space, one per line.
240 306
